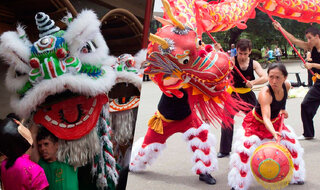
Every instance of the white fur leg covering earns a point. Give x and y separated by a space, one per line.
202 144
140 157
292 144
240 175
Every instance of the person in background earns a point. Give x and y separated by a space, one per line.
247 67
270 54
61 176
284 53
233 51
294 53
266 53
278 53
18 172
311 101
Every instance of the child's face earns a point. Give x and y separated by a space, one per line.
48 149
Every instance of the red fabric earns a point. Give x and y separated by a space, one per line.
212 110
243 173
71 111
167 90
206 151
170 128
296 167
203 136
293 153
244 157
247 144
255 127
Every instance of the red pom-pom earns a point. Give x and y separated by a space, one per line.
208 48
202 53
34 63
61 53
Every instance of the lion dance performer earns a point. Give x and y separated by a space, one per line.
61 82
262 125
194 81
125 98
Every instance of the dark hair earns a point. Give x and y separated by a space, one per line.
13 116
314 31
43 133
12 143
280 66
244 44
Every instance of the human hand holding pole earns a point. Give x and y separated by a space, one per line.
279 27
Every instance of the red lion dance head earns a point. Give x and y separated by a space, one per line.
178 58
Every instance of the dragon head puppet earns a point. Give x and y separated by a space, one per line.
61 82
177 58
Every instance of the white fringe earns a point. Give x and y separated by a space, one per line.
298 175
236 165
79 152
123 124
198 153
144 156
235 180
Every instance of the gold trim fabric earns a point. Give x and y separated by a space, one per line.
242 90
155 122
255 115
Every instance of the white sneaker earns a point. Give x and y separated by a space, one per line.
305 138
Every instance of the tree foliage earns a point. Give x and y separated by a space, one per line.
261 32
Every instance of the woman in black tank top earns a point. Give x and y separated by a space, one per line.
271 104
262 123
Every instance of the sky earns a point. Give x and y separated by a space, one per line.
157 6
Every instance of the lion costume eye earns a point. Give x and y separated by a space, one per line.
19 74
184 60
89 47
198 43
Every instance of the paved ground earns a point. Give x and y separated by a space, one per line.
172 170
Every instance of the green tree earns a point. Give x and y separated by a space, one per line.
261 32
